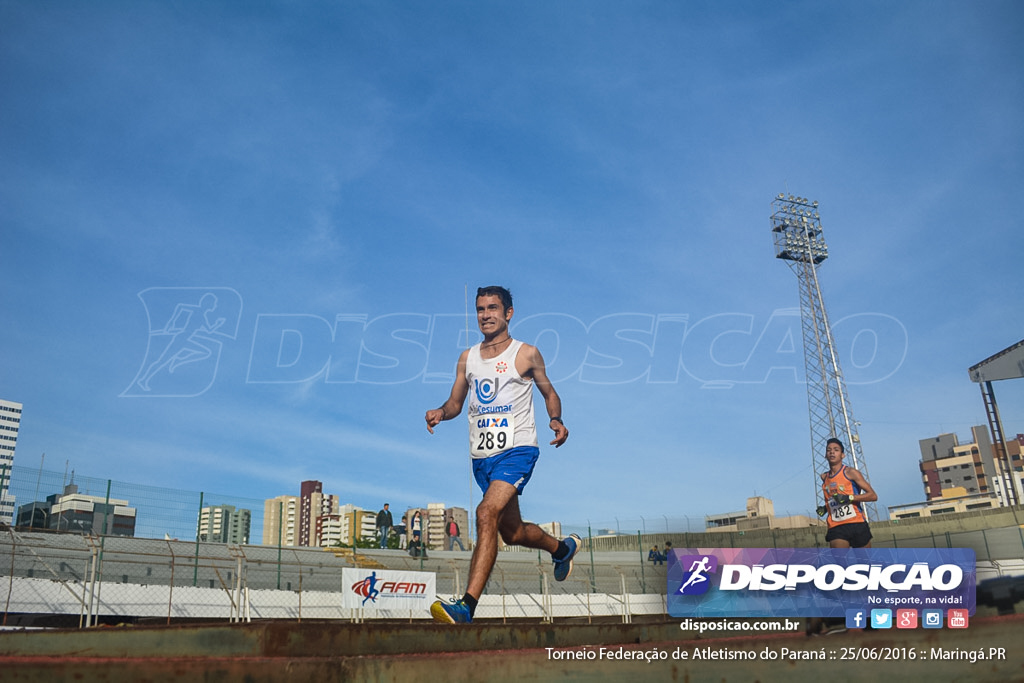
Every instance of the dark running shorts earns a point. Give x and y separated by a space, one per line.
857 534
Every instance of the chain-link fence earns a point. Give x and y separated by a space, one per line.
129 552
76 579
88 579
60 501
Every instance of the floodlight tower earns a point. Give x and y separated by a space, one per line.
799 240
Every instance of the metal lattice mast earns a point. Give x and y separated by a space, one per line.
799 240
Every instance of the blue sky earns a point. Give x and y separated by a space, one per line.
337 174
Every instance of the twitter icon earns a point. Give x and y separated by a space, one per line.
881 618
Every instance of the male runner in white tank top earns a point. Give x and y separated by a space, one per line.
498 376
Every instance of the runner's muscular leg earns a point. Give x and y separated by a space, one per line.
515 532
488 514
499 512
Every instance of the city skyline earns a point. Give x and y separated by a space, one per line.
598 525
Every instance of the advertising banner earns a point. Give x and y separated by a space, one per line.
818 582
387 590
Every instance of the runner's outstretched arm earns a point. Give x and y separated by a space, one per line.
453 406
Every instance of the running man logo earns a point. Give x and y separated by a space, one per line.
486 390
188 327
367 588
695 578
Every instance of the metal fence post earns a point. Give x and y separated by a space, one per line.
546 603
10 583
85 587
170 592
280 525
195 569
590 611
640 545
593 575
103 542
299 561
236 602
92 582
627 618
540 575
504 592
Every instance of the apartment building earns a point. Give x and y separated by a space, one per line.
10 421
224 524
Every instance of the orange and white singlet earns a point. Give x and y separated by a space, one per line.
841 514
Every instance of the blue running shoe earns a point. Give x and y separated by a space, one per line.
564 567
455 612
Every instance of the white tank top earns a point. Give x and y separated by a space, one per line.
500 403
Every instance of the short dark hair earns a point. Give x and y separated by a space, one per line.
842 448
500 292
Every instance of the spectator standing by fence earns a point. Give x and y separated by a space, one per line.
384 523
451 534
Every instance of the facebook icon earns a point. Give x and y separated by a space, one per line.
855 618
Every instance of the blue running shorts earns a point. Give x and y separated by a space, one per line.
514 466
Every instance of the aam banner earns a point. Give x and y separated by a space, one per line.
817 582
387 591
